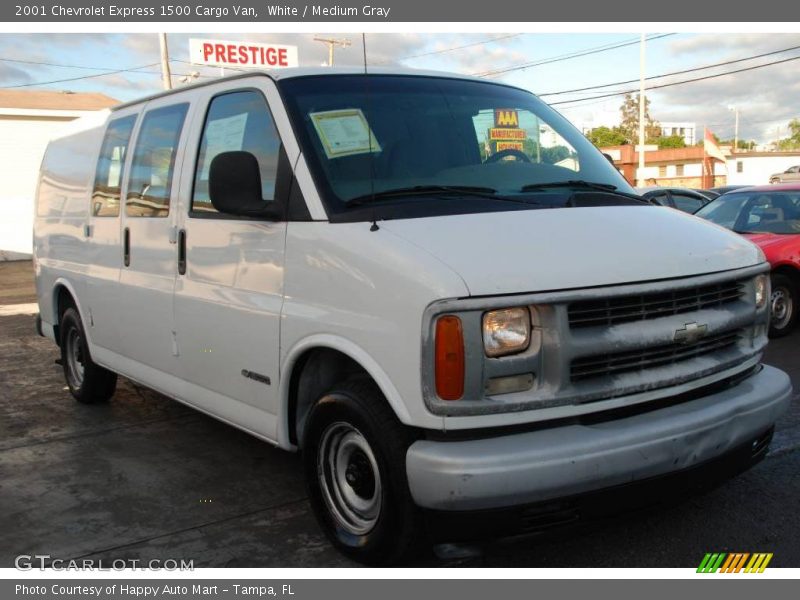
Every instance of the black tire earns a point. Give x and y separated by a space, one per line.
397 529
88 382
783 305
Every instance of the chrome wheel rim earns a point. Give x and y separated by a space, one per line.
349 478
781 306
75 359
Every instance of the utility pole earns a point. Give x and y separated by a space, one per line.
640 178
332 43
166 76
735 110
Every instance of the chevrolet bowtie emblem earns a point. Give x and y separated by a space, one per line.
690 333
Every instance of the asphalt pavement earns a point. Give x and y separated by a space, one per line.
144 477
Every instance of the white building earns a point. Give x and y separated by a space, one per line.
688 131
755 168
28 119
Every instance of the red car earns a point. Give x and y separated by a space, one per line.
769 216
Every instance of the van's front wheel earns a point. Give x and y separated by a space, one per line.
88 382
354 457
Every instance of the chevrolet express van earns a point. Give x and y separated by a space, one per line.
432 286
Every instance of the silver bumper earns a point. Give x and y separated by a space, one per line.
563 461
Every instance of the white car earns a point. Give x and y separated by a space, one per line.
433 286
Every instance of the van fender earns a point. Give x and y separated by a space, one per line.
62 282
354 352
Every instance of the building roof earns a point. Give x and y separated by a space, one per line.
55 100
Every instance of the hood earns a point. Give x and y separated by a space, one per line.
556 249
778 248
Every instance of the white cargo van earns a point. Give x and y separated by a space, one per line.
433 286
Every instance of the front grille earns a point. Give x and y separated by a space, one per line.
603 365
640 307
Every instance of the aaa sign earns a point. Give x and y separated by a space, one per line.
221 53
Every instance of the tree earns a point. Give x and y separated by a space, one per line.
671 141
629 120
606 136
793 141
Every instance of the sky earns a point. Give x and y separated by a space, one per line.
766 98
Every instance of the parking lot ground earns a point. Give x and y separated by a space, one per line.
145 478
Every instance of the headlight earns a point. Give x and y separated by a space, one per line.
762 290
506 331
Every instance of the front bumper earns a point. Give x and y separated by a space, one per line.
564 461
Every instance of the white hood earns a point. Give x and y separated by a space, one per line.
556 249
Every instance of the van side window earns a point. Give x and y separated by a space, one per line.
110 164
237 121
154 162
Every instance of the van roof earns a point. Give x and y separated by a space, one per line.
290 73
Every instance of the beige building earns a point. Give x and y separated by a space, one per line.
28 119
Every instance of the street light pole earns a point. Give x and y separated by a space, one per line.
640 178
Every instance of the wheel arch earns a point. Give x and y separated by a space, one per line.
311 367
64 296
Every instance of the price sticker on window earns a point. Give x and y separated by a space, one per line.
344 132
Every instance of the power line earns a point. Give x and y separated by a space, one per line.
454 48
721 64
664 85
129 70
577 54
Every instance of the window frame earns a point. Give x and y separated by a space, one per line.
173 159
284 176
123 172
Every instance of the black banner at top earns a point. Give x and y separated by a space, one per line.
396 11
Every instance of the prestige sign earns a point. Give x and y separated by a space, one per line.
221 53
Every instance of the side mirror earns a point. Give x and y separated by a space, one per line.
234 185
609 158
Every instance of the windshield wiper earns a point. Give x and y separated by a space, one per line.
433 190
581 183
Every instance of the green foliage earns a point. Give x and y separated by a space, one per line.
606 136
670 141
793 141
629 120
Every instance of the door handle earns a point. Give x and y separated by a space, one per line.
87 230
182 252
126 247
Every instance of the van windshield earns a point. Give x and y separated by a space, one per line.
417 145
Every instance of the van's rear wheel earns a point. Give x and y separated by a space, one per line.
355 466
88 382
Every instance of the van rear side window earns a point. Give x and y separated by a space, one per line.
154 162
237 121
108 178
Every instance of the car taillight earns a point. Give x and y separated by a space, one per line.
449 355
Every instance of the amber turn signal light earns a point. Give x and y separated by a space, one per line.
449 354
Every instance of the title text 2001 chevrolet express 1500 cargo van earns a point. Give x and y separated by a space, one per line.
432 286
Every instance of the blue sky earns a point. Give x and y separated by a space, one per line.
765 97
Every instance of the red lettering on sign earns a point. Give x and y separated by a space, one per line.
283 60
207 50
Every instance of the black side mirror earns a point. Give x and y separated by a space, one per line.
608 158
234 185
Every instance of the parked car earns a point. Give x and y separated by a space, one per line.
388 274
683 199
789 175
724 189
710 194
769 216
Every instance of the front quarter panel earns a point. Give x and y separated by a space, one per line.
363 293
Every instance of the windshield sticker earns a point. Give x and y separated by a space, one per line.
223 135
344 132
